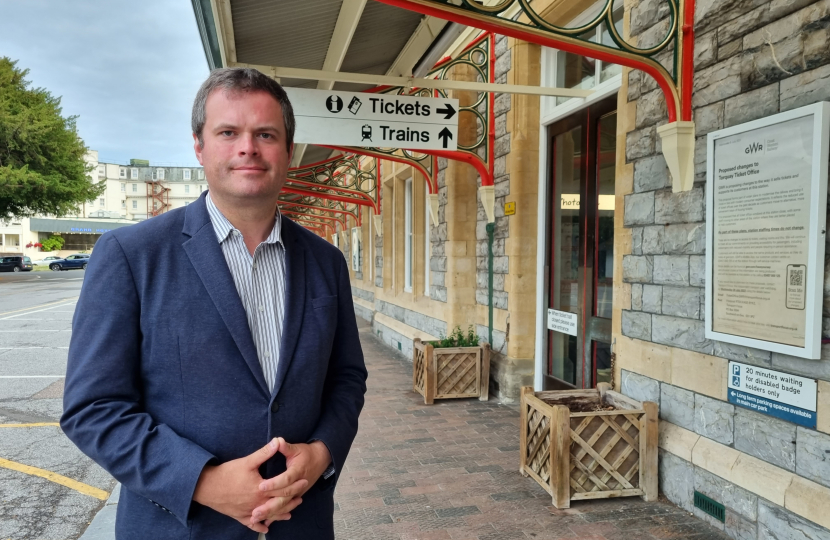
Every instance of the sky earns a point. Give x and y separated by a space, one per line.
128 69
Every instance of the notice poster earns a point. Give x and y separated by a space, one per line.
766 210
761 221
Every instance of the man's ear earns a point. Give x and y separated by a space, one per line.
197 148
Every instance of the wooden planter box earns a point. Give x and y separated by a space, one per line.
461 372
577 450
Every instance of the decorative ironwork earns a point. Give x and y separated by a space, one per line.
675 85
300 204
343 178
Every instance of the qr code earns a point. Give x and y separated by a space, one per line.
797 277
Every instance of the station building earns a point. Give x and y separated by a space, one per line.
133 192
585 217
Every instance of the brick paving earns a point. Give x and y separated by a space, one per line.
450 471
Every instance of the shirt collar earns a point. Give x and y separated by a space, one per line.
223 228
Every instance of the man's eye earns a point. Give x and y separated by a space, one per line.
226 133
266 135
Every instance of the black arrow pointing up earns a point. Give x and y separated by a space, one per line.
447 110
446 135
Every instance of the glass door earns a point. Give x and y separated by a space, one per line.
580 260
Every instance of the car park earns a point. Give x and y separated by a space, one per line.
15 264
72 262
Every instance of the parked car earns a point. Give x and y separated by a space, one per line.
46 260
16 264
77 261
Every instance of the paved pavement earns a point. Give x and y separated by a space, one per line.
450 471
48 489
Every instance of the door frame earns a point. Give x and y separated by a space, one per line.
543 222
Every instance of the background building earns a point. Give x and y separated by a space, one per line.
134 192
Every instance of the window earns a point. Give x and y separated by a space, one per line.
574 71
123 188
201 174
123 204
101 202
122 173
186 203
407 236
187 188
135 188
102 170
133 174
427 246
160 174
186 174
135 205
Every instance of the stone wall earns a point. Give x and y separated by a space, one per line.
378 239
781 444
753 59
502 185
438 240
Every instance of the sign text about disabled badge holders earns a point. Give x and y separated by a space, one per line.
789 397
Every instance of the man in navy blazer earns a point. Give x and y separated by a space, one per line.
166 386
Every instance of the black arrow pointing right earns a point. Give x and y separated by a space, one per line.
445 134
448 111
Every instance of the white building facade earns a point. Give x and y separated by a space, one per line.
134 192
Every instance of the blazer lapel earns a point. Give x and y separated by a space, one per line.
294 301
206 255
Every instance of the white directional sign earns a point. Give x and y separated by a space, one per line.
374 120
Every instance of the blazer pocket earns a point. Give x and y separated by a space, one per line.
324 301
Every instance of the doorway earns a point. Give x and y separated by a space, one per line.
580 260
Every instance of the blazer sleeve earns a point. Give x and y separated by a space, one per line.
103 411
345 384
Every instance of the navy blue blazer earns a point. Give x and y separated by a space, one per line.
163 375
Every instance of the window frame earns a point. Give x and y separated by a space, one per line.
407 235
133 174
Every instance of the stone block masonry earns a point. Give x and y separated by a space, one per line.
778 445
501 180
752 59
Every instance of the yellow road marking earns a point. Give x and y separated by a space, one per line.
56 478
40 306
36 424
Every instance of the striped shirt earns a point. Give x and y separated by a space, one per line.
260 283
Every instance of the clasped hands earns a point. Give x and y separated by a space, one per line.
236 489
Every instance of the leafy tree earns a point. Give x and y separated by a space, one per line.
42 167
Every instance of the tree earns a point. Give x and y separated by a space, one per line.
42 167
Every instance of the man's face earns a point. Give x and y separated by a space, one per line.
244 153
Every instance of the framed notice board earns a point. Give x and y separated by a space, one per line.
766 206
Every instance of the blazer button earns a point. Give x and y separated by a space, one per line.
275 407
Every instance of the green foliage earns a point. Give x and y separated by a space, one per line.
42 167
53 243
457 338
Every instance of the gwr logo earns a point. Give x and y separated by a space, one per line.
754 147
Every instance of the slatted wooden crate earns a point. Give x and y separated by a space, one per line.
577 449
461 372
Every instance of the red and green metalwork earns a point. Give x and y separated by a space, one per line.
314 205
676 85
346 178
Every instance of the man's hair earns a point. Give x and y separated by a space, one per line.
241 80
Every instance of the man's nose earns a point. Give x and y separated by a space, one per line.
247 145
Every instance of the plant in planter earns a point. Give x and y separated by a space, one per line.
455 366
589 444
